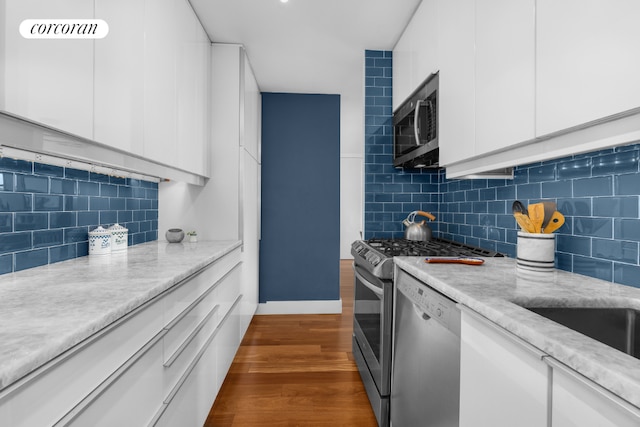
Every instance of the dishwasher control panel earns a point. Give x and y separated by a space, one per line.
428 300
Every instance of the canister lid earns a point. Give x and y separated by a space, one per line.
117 227
99 231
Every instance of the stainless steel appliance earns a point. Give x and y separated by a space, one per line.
425 385
415 127
373 308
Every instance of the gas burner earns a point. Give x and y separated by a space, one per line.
376 254
435 247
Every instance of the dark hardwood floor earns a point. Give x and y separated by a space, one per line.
296 370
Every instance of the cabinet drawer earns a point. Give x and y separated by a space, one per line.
129 396
187 336
228 291
49 392
190 399
181 296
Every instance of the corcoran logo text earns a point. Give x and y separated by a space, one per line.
64 28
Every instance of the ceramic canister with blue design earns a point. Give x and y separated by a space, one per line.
99 241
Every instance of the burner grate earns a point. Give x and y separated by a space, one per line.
434 247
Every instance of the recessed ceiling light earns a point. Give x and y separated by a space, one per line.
284 1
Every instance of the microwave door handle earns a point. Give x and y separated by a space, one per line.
375 289
416 121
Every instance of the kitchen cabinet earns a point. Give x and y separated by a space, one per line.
119 76
579 402
155 362
160 81
176 75
503 380
585 66
456 30
504 73
47 81
483 75
192 77
415 55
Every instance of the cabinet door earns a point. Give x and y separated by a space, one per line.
456 30
192 74
48 81
402 67
424 43
586 66
503 381
119 76
131 398
415 55
252 101
504 69
160 79
578 402
250 239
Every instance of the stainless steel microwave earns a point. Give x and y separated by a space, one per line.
415 128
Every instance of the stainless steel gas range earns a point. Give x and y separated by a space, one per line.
373 307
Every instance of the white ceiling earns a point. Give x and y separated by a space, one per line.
306 46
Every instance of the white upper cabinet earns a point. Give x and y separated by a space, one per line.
415 55
47 81
486 70
119 75
192 73
176 71
252 112
160 81
504 73
456 29
587 65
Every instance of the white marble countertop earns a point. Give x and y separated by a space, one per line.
47 310
497 289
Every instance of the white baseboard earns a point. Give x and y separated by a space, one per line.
300 307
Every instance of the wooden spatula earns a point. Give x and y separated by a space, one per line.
536 214
556 221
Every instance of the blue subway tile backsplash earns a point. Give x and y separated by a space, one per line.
390 194
46 211
598 192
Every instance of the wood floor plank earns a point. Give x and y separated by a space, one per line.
296 370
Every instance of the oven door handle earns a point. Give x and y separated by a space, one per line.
375 289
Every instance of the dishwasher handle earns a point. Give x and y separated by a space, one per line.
375 289
421 314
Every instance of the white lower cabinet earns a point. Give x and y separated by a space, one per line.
503 380
128 397
162 364
579 402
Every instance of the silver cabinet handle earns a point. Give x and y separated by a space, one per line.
106 384
191 336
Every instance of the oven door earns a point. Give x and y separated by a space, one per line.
373 307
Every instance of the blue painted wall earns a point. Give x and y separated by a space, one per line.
390 194
46 212
300 245
599 194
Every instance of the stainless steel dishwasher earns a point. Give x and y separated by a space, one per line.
425 378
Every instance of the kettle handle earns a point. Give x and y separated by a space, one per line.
426 214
